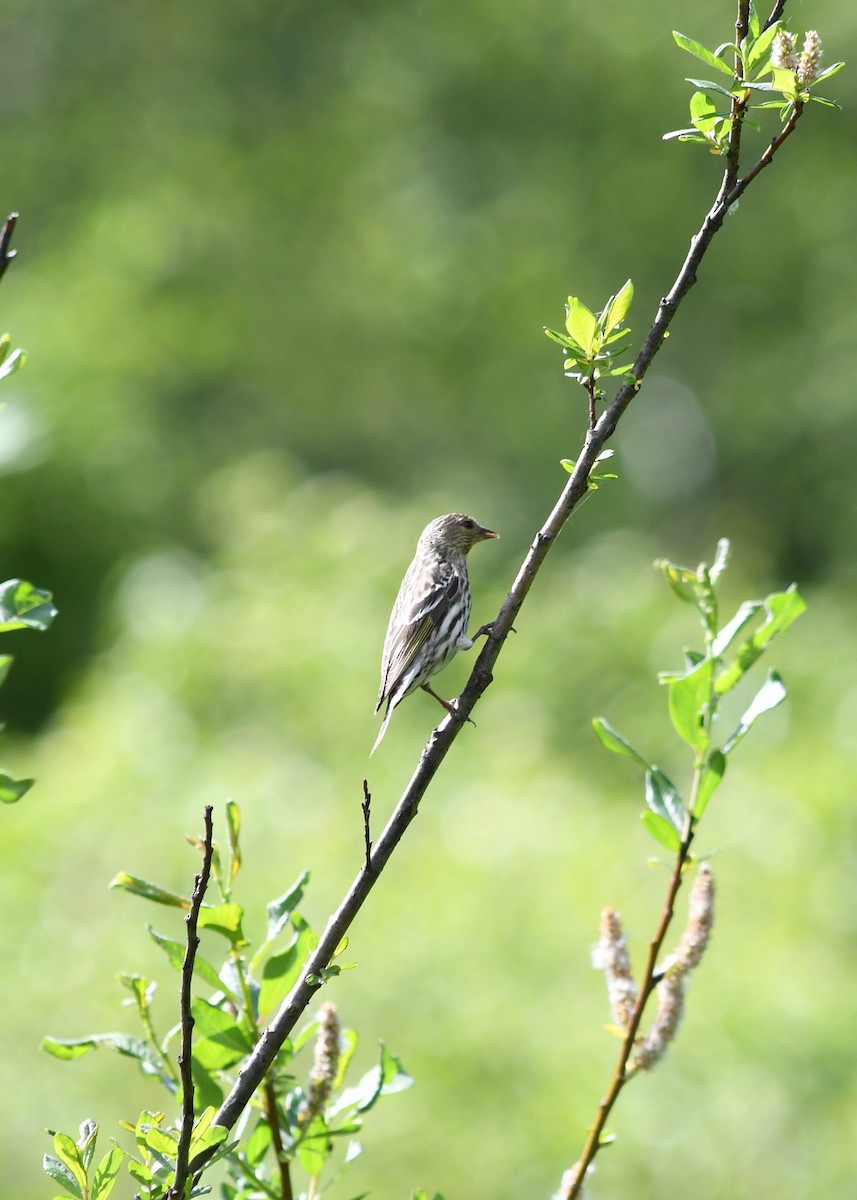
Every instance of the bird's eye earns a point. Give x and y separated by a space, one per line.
469 523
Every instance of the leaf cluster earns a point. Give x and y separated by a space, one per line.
22 606
696 691
750 72
592 341
287 1122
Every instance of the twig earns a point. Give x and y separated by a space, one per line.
277 1141
366 807
176 1192
776 13
437 747
6 255
574 1179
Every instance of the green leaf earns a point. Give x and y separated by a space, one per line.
712 775
12 363
208 1135
682 580
106 1173
122 1043
731 629
148 890
703 114
60 1173
233 828
68 1152
163 1145
683 135
259 1143
11 790
831 70
139 1171
226 920
175 952
280 910
562 339
709 85
282 970
770 694
661 829
663 798
385 1079
617 308
701 52
613 741
689 697
207 1091
782 609
222 1042
23 606
761 47
313 1146
582 325
86 1142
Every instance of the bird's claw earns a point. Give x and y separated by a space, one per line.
488 628
451 707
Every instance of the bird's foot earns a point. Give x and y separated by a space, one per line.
488 628
452 708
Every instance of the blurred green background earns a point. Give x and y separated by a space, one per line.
282 278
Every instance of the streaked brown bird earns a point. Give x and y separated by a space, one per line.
429 620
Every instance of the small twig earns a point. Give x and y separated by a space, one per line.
575 1179
366 807
766 155
176 1192
776 13
6 255
277 1141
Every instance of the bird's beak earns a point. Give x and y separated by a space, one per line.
486 533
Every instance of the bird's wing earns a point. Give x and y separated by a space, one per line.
421 606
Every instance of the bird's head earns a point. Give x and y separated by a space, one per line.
456 532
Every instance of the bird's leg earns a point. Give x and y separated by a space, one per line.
487 629
449 705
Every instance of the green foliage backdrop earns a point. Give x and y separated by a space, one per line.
283 271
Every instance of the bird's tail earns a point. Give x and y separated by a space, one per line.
383 729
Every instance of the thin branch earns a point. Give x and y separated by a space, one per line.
273 1116
438 745
6 255
574 1179
776 14
366 806
767 155
176 1192
738 109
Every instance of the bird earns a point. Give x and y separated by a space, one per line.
428 624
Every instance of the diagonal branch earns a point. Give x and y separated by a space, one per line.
438 745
